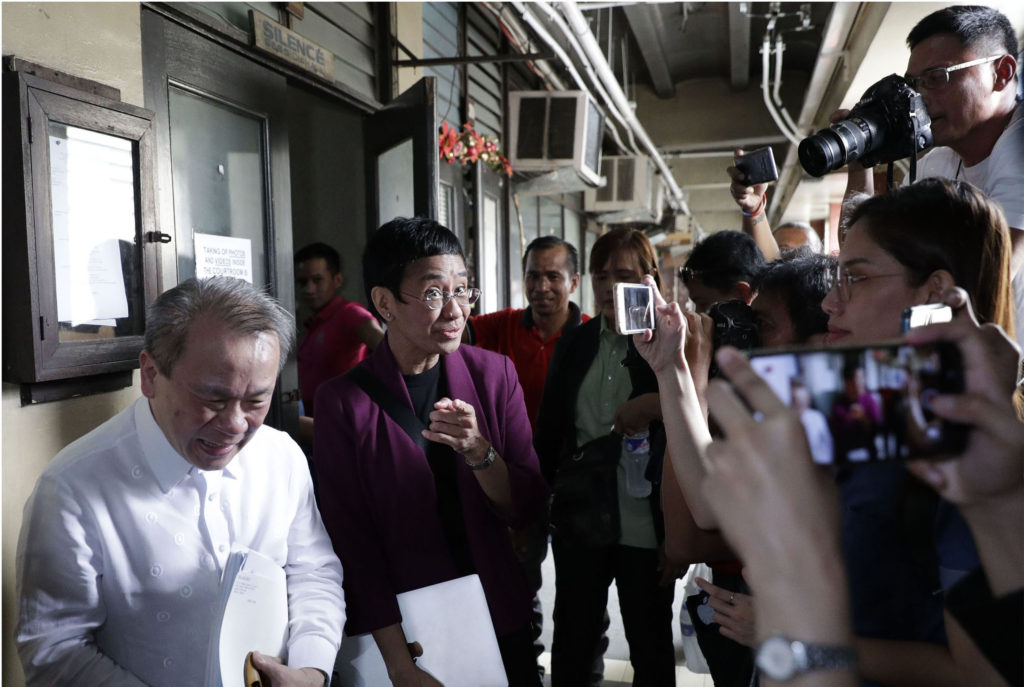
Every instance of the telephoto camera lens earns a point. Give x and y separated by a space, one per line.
834 147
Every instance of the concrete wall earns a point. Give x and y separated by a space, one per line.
102 42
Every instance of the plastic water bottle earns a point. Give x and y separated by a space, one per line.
638 452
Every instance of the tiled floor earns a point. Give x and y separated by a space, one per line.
617 670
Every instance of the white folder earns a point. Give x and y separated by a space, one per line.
451 622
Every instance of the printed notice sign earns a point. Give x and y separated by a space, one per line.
285 44
223 256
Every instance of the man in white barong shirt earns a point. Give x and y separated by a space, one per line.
127 532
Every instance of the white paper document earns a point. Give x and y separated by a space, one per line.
93 211
223 256
451 622
254 599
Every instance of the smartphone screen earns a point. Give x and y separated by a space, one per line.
923 315
634 308
864 404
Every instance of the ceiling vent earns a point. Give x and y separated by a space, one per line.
633 192
556 130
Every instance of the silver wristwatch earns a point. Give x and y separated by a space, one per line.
487 462
782 658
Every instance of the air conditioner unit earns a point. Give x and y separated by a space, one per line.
555 130
633 193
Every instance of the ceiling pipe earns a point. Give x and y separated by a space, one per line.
780 47
512 23
583 35
766 51
522 38
610 104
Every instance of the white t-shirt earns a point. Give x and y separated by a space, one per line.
1001 177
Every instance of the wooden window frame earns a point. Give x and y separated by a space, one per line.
33 352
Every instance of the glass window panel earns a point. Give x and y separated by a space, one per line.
218 161
95 253
550 218
489 270
528 210
395 182
572 235
445 196
586 288
516 246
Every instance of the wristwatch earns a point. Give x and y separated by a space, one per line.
487 462
782 658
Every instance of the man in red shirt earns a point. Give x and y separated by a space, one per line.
528 336
338 335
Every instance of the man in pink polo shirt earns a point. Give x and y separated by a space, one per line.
338 335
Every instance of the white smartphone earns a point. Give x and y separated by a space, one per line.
634 308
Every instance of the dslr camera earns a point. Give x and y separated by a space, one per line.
735 325
888 124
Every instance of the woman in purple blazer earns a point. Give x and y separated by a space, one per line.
402 516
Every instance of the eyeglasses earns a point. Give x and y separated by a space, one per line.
937 77
435 299
841 278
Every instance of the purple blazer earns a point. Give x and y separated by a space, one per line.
378 500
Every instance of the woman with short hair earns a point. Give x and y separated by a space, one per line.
402 516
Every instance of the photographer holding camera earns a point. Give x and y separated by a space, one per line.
963 65
963 62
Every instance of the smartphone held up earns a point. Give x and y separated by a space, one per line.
870 403
634 308
757 166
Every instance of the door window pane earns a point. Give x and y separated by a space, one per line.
218 159
395 182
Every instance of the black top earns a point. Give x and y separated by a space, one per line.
425 389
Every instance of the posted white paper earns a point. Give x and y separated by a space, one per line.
223 256
92 205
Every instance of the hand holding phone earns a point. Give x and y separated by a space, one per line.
993 461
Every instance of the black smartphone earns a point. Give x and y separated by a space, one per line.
758 166
869 403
